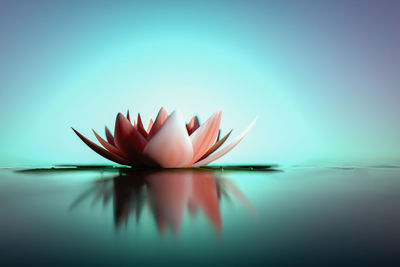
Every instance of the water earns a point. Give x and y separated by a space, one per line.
292 217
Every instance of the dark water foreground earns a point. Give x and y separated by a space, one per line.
101 216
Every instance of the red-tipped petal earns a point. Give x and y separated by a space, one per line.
161 117
217 145
205 136
128 139
128 116
108 146
110 137
226 149
171 146
101 151
140 127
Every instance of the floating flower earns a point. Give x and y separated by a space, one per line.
167 142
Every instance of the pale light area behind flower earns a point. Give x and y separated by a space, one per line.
269 141
194 87
142 79
258 147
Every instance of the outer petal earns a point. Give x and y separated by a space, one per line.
205 136
108 146
102 151
216 145
226 149
171 146
110 137
161 117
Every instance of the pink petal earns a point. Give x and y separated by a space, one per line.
205 136
108 146
140 127
161 117
150 125
226 149
193 124
128 139
171 146
102 151
216 145
110 137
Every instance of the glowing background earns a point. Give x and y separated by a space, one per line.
323 76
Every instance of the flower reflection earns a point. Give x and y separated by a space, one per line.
168 195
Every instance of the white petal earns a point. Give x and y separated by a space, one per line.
171 146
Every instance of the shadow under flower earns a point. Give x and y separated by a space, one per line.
167 193
105 168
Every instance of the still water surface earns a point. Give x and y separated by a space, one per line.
290 217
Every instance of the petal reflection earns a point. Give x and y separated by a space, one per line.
167 194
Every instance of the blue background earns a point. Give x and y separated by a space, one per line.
323 76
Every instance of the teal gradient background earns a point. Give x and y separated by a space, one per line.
323 76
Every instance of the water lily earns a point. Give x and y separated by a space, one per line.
167 142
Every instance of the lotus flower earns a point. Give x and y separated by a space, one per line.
167 142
